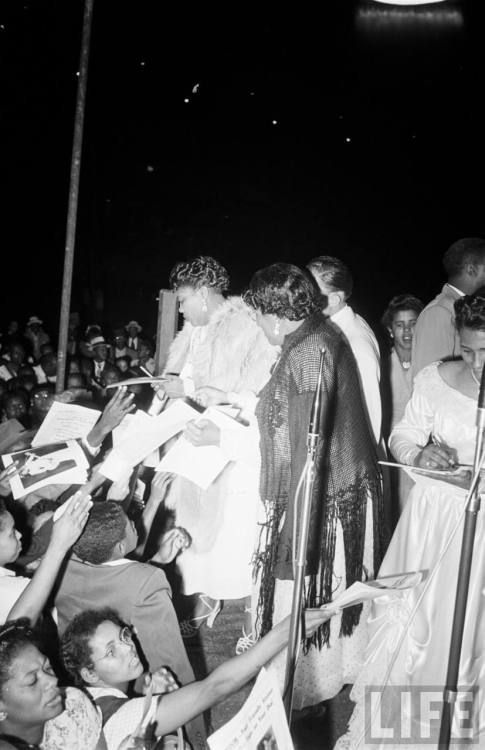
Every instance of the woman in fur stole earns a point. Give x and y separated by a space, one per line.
220 349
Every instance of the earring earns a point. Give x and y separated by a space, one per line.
204 306
276 329
3 715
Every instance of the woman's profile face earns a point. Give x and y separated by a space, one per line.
31 694
114 654
402 328
10 539
191 304
472 344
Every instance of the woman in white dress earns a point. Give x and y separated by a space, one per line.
408 648
220 347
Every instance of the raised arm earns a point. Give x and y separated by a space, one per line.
65 532
177 708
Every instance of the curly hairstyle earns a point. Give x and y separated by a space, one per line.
201 271
75 651
14 637
470 311
105 527
3 513
333 273
283 290
464 251
399 303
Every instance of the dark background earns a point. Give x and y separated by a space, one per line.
163 179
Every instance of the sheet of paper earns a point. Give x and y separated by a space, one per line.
260 724
140 441
360 591
64 422
61 463
199 464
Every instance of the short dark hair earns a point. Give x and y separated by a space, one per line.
399 303
3 512
75 651
201 271
333 273
283 290
470 311
460 253
14 637
105 527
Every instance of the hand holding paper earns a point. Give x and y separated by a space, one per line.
202 432
360 592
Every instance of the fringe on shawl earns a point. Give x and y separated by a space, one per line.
350 508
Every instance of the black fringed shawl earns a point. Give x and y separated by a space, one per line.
346 476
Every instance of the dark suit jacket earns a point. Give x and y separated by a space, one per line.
142 596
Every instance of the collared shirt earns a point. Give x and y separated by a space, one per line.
455 289
366 352
435 336
11 587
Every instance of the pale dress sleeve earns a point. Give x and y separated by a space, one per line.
77 728
242 444
11 587
411 434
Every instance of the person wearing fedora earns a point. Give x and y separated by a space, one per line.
121 348
100 349
36 335
133 329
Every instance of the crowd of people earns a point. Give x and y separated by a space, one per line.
85 602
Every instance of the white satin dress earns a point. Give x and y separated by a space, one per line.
408 652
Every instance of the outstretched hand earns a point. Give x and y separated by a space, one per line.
70 522
202 432
161 681
117 408
170 545
171 387
209 396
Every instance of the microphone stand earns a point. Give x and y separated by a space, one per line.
473 506
297 616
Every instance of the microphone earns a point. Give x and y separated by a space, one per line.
481 404
315 414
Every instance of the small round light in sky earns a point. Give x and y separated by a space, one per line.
150 168
347 140
274 122
142 63
186 101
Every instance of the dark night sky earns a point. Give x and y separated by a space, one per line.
376 156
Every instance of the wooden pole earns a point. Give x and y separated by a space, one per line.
168 311
73 195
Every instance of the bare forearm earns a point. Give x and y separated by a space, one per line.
181 706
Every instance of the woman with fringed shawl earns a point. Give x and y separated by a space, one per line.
346 530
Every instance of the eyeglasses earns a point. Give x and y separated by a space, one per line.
125 638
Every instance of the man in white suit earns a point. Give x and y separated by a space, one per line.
335 282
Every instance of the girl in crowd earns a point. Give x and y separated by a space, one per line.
437 431
219 346
35 714
346 534
98 651
399 320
